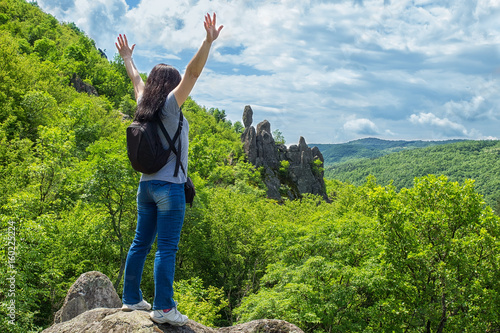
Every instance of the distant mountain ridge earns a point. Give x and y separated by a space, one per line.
467 159
370 148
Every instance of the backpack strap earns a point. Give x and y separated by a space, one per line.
178 153
171 143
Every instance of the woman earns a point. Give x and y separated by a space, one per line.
160 197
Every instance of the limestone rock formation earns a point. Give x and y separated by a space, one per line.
91 290
302 171
249 136
93 293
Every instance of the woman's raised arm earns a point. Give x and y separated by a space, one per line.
195 66
126 53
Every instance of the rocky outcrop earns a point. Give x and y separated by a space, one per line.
94 293
116 321
80 86
288 172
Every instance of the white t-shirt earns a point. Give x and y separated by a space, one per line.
170 118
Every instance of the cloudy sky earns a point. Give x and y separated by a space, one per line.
328 70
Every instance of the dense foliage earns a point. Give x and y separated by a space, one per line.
478 160
376 258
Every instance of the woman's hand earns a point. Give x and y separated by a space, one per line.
126 53
212 31
195 66
123 48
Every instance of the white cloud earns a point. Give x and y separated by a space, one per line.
447 127
481 104
322 67
466 109
158 56
361 127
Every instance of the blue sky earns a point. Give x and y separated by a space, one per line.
330 71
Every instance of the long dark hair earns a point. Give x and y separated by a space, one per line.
161 81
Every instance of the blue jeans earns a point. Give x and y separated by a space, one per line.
160 211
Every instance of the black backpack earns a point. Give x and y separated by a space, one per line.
147 155
145 150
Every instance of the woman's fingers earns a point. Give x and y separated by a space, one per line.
123 42
209 20
122 45
211 27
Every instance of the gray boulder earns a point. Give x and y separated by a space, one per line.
91 290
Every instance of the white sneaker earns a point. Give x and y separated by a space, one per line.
172 317
142 305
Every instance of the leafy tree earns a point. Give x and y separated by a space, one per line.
278 137
39 107
111 185
238 127
223 244
199 303
48 170
442 261
219 115
327 276
128 106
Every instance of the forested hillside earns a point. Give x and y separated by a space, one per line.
477 160
374 259
369 148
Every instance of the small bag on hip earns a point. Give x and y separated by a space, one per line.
189 191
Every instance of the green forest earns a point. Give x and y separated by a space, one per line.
459 161
376 258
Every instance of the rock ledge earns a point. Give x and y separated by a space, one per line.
107 320
92 305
